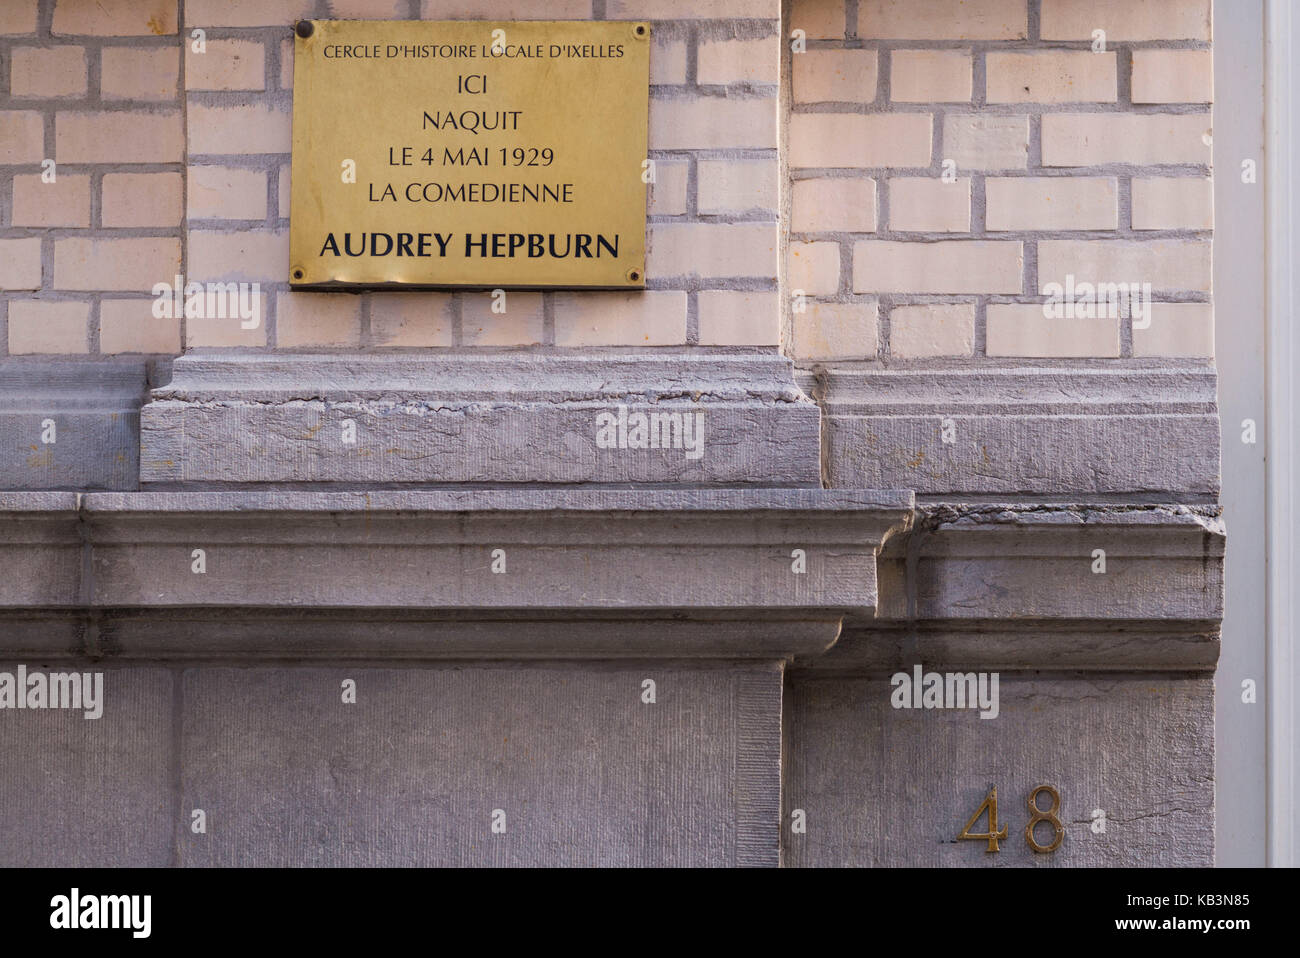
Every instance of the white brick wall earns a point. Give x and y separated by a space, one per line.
1059 159
1000 152
94 87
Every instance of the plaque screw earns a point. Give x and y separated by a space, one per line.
641 31
297 274
305 28
633 275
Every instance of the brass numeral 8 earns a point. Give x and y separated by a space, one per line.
1037 815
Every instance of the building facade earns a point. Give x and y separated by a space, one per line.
929 304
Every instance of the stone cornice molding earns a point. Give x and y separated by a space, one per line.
610 574
653 573
1046 586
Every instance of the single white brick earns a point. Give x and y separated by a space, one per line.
667 194
317 319
129 264
856 141
1088 139
720 62
222 192
286 194
932 329
22 137
976 141
129 326
1173 76
142 199
410 319
1021 329
840 76
250 255
252 128
818 19
65 202
226 65
18 19
1052 203
836 331
738 186
1172 264
47 71
668 61
946 266
1053 76
830 205
20 264
652 318
228 330
119 136
813 268
705 123
1176 329
114 18
38 326
520 325
929 204
1126 19
246 13
712 250
286 64
1173 202
148 74
667 9
368 9
943 19
730 318
930 76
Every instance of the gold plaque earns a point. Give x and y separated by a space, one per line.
469 153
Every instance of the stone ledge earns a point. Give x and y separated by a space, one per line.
1021 430
248 419
1162 563
998 645
610 574
94 408
693 573
1012 586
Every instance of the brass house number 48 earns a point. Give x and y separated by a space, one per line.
1036 816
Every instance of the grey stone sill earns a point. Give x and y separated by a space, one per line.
71 424
462 378
681 573
1013 586
691 573
1116 563
1018 430
240 420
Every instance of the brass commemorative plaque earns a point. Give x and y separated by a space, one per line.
469 153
